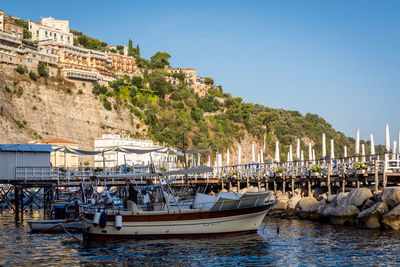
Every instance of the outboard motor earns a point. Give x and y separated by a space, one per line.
96 218
103 220
118 221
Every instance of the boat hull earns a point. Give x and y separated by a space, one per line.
180 225
54 225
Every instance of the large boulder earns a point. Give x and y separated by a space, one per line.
358 196
368 204
390 195
293 201
341 214
282 196
331 198
340 199
278 208
306 202
391 220
313 212
371 217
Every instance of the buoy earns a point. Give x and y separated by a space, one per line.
118 221
103 220
96 218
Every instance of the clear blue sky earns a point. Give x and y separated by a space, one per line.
338 59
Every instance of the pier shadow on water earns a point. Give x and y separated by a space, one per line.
298 242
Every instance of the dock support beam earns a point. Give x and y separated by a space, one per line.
376 176
329 179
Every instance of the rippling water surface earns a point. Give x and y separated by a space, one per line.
297 242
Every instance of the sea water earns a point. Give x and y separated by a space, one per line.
278 242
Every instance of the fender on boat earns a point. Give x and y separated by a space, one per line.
103 220
118 221
96 218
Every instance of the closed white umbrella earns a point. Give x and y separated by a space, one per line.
277 151
290 153
209 161
298 149
198 159
323 146
372 144
345 151
332 149
309 152
288 157
358 142
253 156
313 155
387 138
302 158
227 157
394 150
363 153
258 157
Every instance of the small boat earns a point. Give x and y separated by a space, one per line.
55 225
227 214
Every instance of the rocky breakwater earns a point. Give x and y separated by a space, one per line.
359 207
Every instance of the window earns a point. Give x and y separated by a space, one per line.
50 33
46 33
55 34
68 38
29 60
42 57
37 32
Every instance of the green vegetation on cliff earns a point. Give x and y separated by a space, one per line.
177 116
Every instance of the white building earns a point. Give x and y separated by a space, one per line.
113 158
51 29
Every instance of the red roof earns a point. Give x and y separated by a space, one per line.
55 140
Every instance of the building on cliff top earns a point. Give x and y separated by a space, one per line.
60 159
7 24
191 79
51 29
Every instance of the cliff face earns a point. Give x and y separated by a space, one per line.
32 110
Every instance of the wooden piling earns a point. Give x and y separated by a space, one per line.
329 179
384 174
248 178
293 181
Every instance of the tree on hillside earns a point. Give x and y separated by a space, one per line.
267 118
160 60
209 80
159 84
42 70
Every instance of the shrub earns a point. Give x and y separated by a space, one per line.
7 89
107 104
68 91
21 69
316 169
33 76
80 92
19 92
99 89
34 108
42 70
